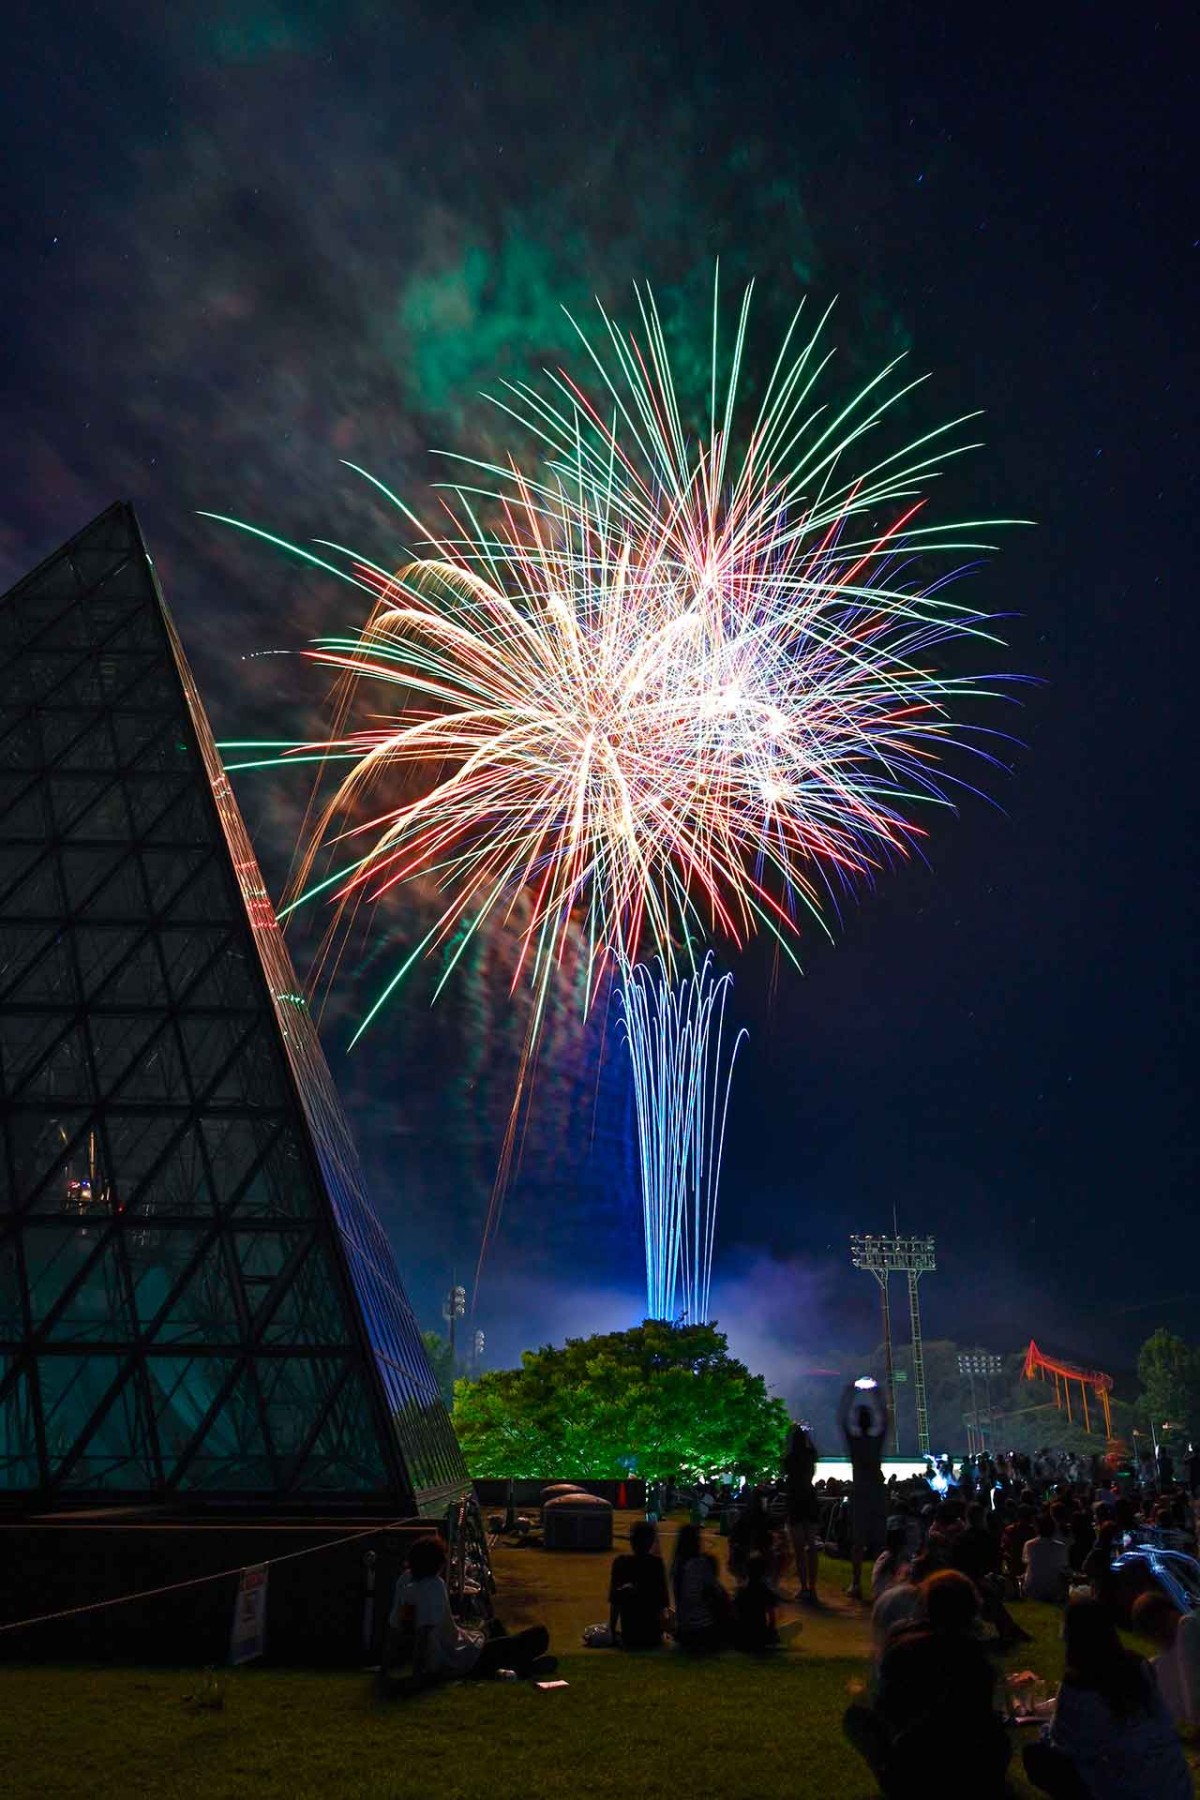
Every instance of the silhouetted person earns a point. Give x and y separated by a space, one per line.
1046 1563
441 1649
1111 1737
637 1592
701 1603
933 1707
1177 1665
803 1513
865 1427
754 1604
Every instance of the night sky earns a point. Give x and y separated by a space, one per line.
243 241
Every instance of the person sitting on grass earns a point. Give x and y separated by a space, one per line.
1046 1563
441 1650
900 1604
701 1603
753 1626
933 1700
1097 1568
637 1592
892 1561
1111 1737
751 1532
1177 1665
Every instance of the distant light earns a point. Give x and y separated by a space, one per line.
865 1383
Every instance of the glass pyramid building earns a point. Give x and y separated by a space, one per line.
196 1298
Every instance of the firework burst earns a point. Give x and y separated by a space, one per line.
665 690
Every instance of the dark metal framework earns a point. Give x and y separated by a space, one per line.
195 1295
913 1257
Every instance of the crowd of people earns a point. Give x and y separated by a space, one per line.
946 1564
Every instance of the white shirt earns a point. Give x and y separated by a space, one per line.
1046 1563
449 1650
1177 1672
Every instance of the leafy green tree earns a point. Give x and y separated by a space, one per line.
1169 1371
661 1400
441 1360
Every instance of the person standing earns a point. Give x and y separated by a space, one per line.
799 1470
865 1422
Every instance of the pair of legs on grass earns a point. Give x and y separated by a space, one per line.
516 1650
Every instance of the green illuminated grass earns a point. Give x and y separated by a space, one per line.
626 1728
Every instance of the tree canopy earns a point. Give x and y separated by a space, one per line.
659 1401
1169 1371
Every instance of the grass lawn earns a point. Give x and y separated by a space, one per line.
638 1728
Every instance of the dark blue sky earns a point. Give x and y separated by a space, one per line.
243 242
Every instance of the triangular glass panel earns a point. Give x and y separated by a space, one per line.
120 898
63 726
166 810
22 807
96 810
345 1455
188 951
159 1163
12 1306
233 1454
134 733
47 591
100 949
310 1310
36 964
121 1040
18 1433
137 981
117 1453
56 1255
158 1072
206 898
20 743
182 1389
74 1384
98 1309
28 882
229 982
207 1308
64 1071
295 1391
27 1039
172 874
92 748
97 880
210 1044
49 1152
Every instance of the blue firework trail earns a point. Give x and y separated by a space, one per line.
683 1059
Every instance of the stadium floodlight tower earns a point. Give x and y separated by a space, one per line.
984 1364
914 1257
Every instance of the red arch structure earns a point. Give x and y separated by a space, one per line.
1063 1375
